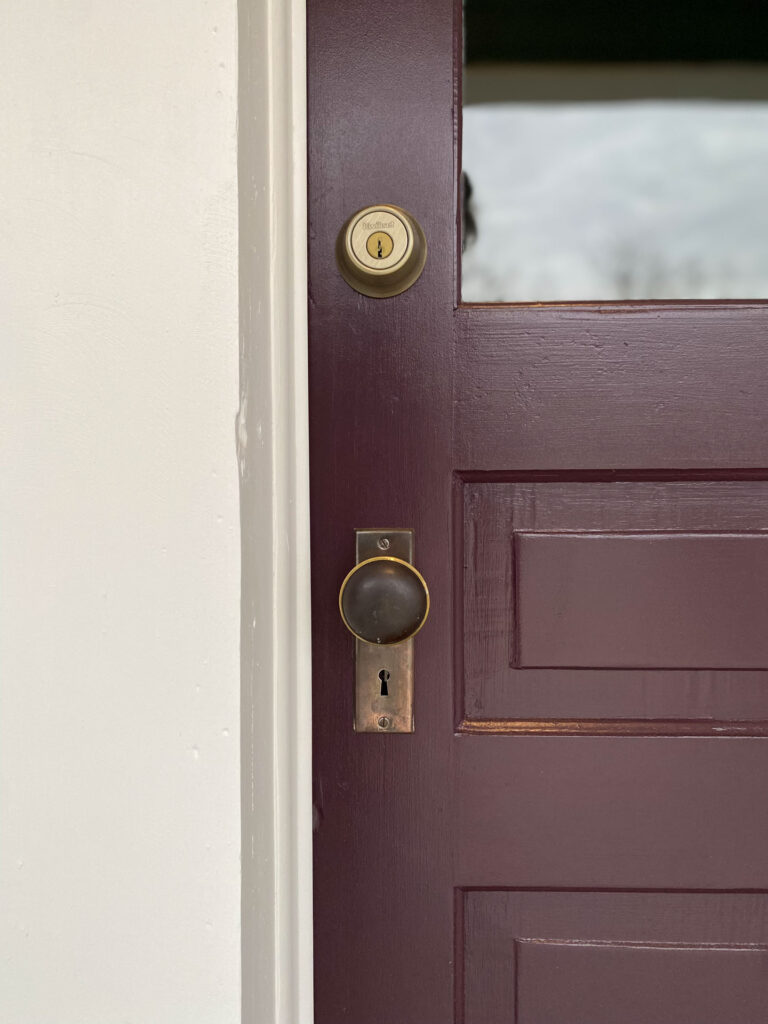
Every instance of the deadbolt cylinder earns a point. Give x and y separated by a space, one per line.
384 600
381 250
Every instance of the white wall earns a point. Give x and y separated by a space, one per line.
119 554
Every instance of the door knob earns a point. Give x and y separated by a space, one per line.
384 600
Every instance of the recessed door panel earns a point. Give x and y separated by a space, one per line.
613 958
614 600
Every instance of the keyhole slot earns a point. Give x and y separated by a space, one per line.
379 251
384 676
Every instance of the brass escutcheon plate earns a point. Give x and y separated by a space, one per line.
384 672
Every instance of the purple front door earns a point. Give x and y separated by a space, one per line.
577 831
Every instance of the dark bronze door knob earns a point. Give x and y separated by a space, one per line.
384 600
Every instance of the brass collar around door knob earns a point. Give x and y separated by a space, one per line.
381 250
384 600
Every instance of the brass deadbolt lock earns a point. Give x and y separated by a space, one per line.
384 600
381 251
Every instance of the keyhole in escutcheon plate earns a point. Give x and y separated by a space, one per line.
384 677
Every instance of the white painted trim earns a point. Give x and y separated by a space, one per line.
274 458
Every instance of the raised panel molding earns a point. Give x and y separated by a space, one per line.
636 983
641 600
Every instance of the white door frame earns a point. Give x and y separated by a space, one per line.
273 457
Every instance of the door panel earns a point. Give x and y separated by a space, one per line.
659 580
601 958
641 600
583 799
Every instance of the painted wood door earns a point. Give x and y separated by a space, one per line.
577 831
